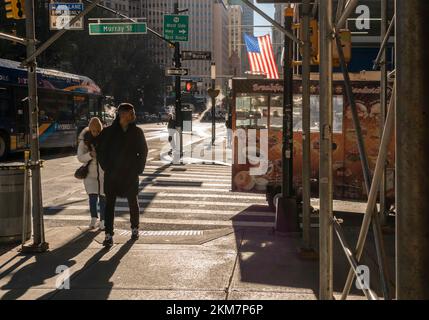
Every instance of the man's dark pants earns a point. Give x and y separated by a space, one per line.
110 211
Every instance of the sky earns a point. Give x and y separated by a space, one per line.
260 21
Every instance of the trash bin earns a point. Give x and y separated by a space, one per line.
12 203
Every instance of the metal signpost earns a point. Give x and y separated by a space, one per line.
176 28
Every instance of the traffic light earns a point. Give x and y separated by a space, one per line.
15 9
346 42
190 86
314 39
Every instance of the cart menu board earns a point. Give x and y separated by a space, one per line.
258 111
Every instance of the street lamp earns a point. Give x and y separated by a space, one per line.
213 77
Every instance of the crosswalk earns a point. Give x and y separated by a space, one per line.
193 196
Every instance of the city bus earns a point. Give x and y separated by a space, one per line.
258 105
66 103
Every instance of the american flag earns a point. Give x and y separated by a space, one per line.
261 55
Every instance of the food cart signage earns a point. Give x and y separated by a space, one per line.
250 86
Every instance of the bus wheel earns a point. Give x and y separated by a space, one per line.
4 146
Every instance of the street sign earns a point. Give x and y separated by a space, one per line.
100 29
176 27
60 15
196 55
176 72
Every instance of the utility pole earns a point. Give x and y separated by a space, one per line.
412 141
39 244
178 89
325 179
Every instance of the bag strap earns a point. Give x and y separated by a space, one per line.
88 163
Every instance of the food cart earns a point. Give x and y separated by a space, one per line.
258 105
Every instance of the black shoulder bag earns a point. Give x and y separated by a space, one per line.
82 172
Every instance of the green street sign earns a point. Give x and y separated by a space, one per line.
176 27
100 29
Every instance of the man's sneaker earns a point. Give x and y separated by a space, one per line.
101 226
93 223
135 234
108 241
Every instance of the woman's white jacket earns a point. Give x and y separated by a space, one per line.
95 180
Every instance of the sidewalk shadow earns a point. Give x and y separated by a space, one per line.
96 271
266 260
269 260
35 273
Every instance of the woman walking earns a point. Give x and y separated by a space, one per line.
94 181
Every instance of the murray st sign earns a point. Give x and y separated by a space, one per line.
97 29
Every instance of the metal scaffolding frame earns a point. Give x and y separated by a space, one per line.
329 32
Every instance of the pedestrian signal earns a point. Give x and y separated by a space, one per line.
15 9
190 86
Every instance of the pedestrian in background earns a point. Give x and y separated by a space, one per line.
171 126
94 181
122 154
228 125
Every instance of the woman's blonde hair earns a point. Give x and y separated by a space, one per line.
95 123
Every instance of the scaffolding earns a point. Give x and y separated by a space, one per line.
412 221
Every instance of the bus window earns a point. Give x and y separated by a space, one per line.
81 109
96 107
252 111
54 107
65 109
5 110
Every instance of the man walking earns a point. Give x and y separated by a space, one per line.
122 154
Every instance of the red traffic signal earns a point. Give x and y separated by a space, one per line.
190 86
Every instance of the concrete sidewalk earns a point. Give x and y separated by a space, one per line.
240 264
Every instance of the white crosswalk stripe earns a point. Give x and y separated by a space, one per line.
189 195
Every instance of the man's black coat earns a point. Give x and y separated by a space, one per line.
122 155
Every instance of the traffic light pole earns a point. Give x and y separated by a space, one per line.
178 89
213 114
39 244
